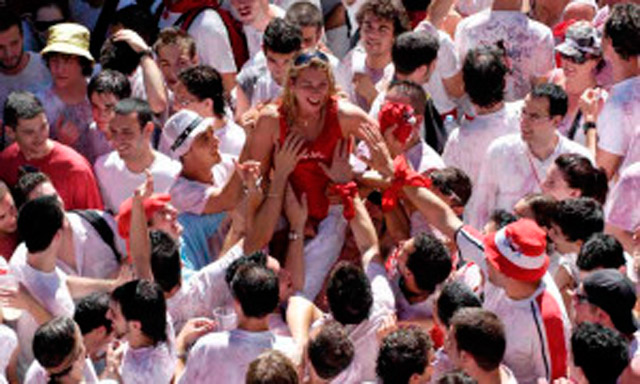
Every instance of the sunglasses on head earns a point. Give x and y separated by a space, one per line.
305 57
43 26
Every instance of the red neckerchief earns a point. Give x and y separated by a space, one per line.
403 175
346 192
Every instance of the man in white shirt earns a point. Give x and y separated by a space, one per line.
120 172
228 354
484 73
529 44
516 164
254 15
138 312
619 121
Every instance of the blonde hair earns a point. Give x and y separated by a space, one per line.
315 61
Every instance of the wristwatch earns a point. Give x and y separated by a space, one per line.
588 125
293 236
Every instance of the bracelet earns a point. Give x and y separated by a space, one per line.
293 236
588 125
147 52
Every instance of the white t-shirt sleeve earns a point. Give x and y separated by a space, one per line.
448 60
212 41
381 290
544 57
189 196
484 198
610 136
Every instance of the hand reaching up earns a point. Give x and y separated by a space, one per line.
340 171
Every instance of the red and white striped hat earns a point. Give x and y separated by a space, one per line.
518 250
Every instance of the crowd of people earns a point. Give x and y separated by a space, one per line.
305 191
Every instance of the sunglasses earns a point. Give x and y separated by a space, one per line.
576 60
43 26
305 57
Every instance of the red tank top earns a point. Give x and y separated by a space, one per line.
308 177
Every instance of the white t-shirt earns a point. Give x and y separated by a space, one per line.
510 171
529 45
8 344
232 138
619 122
117 183
148 364
467 145
470 7
622 208
212 39
227 355
35 77
355 62
36 374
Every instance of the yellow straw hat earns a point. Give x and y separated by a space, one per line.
70 39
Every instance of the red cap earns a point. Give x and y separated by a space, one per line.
518 250
154 203
400 115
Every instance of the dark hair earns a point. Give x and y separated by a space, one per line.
62 5
454 296
9 19
349 294
86 65
21 105
542 206
502 218
54 341
602 353
454 183
622 28
256 289
173 35
480 333
391 10
258 258
456 377
430 262
600 251
304 14
330 351
413 49
143 301
580 174
484 73
281 36
109 81
138 106
271 367
403 353
413 91
579 218
165 260
557 97
204 82
139 19
27 183
119 56
38 222
91 312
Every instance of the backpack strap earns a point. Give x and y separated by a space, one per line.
101 226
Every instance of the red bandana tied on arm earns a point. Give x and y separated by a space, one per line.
403 175
346 192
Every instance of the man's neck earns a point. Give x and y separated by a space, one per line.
378 61
38 155
625 69
484 377
142 161
543 150
73 94
24 60
261 21
487 110
506 5
520 290
196 172
44 261
252 324
139 341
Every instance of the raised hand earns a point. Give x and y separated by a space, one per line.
135 41
192 331
380 159
144 190
288 154
590 103
340 171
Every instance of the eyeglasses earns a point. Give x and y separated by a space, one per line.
532 116
43 26
306 57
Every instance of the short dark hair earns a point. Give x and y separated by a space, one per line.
349 294
119 56
600 251
414 49
21 105
134 105
391 10
256 289
622 28
502 218
454 296
480 333
484 73
413 91
281 36
602 353
139 19
173 35
109 81
579 173
304 14
54 341
453 182
456 377
85 64
271 367
542 206
579 218
39 220
143 301
165 260
430 262
91 312
330 351
204 82
557 97
9 19
403 353
27 183
258 258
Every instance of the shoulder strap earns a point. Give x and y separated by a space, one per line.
101 226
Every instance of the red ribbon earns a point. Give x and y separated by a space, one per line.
399 115
346 192
403 175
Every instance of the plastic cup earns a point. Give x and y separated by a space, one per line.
10 283
226 318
